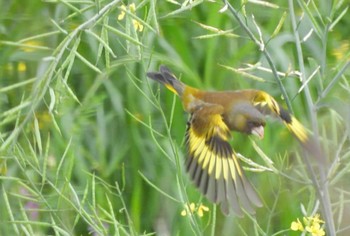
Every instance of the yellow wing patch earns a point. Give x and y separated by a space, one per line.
171 88
298 130
264 100
213 165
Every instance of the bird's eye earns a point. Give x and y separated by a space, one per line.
253 124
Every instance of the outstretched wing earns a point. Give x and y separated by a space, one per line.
268 105
213 165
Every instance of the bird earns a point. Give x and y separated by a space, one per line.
211 162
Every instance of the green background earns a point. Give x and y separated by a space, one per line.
89 145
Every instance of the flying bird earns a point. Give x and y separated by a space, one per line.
211 163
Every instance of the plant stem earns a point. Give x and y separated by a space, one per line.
39 91
322 185
262 47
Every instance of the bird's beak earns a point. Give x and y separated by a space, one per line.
258 131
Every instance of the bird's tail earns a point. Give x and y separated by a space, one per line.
168 79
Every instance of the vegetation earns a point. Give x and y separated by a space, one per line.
89 145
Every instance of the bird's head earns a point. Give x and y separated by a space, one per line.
248 123
247 119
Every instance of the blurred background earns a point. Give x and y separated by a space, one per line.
90 146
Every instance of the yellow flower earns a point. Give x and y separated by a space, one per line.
315 229
122 13
21 67
316 219
132 8
137 25
297 225
191 208
312 225
340 52
188 209
29 46
201 209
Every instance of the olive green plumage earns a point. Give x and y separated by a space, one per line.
212 163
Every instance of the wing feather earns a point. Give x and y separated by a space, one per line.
221 190
268 106
213 165
203 182
211 190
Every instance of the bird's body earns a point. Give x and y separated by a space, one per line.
212 163
234 104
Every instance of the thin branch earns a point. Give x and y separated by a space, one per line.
322 185
43 83
334 80
262 47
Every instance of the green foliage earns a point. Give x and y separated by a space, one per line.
88 145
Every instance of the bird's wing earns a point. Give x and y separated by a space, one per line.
212 163
268 105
